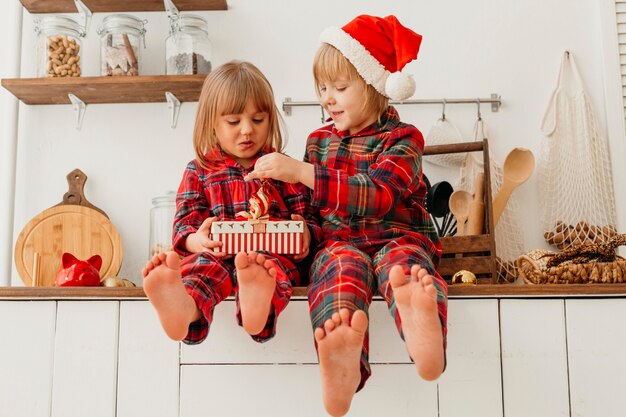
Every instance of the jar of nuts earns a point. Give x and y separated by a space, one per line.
120 38
58 46
162 223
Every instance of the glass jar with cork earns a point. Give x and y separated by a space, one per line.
120 40
58 46
188 48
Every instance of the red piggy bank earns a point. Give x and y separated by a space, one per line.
77 273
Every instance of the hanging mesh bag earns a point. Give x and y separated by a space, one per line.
443 132
574 172
508 234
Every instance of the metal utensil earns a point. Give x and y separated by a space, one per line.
439 194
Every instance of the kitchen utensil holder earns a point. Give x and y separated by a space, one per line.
475 253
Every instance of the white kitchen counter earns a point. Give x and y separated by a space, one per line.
101 352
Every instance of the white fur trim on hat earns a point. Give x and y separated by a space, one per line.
367 66
396 86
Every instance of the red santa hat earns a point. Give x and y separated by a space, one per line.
378 48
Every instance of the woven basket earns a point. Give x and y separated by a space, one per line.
588 273
532 268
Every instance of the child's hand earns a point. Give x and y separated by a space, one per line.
199 241
282 168
306 240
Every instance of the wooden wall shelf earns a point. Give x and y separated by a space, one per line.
108 6
91 90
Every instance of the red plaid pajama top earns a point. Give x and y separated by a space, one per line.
221 192
368 187
369 191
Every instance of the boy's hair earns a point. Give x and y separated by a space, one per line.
330 64
226 90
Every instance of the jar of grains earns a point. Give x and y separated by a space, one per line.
188 48
120 39
162 223
58 46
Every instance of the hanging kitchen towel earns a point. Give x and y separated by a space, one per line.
508 234
574 172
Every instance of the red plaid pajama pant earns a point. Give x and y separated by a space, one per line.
209 280
346 276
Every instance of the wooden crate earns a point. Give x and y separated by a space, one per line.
475 253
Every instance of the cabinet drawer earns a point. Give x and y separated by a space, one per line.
229 343
294 390
293 343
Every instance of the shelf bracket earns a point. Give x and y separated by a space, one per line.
171 9
79 106
495 105
286 106
173 104
84 13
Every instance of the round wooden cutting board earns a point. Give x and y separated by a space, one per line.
81 230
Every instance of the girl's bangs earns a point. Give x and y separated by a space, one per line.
234 99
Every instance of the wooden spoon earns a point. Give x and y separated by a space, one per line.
475 221
518 166
460 206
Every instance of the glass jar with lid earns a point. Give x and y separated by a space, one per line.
120 40
162 222
58 46
188 48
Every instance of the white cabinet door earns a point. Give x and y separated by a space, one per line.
534 358
293 343
85 359
27 334
386 345
294 390
148 369
471 386
229 343
395 390
250 390
596 336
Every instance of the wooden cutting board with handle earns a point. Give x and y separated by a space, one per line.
75 226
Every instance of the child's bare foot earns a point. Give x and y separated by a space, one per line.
339 347
165 290
416 300
257 282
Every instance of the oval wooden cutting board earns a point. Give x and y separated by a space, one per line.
81 230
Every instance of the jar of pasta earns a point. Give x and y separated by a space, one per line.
120 40
58 46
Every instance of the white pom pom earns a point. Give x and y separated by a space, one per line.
399 86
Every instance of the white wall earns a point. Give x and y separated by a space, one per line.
9 67
470 49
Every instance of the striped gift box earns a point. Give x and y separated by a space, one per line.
279 237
